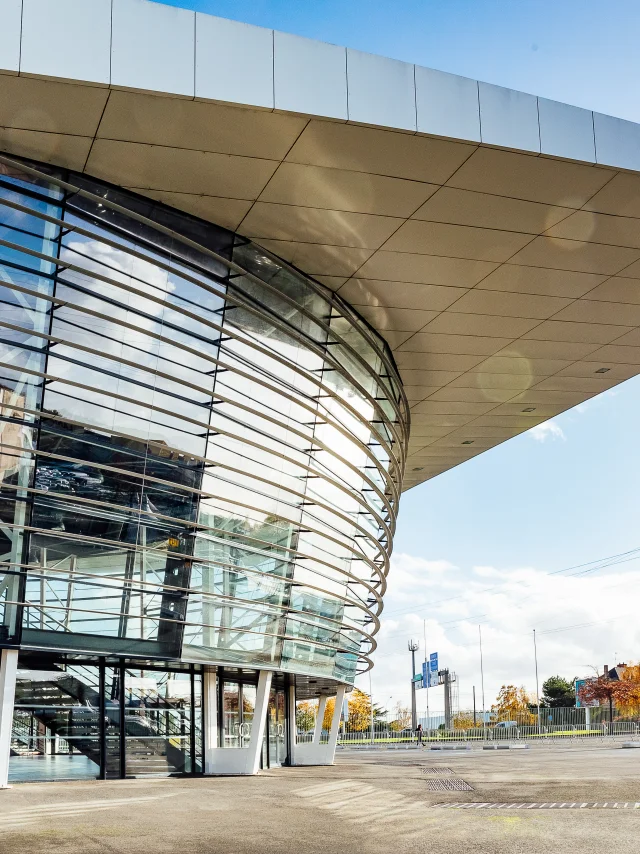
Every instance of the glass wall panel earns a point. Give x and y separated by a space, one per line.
158 720
202 451
56 724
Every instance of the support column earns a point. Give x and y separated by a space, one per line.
316 753
8 671
210 676
259 721
292 726
322 705
240 760
335 722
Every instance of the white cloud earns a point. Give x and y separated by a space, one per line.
548 429
508 603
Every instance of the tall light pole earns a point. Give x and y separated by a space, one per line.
413 646
484 717
371 705
535 653
426 664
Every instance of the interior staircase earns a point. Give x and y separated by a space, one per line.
150 748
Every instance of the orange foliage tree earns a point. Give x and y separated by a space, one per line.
624 693
512 704
630 701
463 720
328 713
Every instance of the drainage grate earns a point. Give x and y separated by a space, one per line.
440 769
451 784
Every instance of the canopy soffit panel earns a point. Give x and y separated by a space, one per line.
492 237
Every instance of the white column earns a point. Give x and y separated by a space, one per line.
243 760
335 723
322 705
259 721
315 753
8 671
210 717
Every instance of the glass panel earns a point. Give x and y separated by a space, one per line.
276 726
56 724
215 450
231 718
249 693
158 722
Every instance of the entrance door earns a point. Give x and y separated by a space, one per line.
152 722
277 729
158 721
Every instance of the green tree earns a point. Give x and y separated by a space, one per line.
558 693
305 716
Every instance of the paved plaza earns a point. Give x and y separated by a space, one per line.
560 799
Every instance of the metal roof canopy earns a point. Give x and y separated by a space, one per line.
492 237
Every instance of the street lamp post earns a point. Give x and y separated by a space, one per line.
484 716
413 646
371 709
535 653
428 674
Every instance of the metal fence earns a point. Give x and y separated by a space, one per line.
554 725
565 717
492 734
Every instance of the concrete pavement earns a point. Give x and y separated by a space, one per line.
378 801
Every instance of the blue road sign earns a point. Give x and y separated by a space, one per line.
430 678
433 661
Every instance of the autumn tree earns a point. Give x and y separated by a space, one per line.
463 720
624 693
513 703
360 711
328 713
402 718
629 701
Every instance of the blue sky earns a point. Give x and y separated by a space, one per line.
476 545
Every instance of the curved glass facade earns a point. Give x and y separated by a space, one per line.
202 449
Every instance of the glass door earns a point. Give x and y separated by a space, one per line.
158 720
238 708
112 737
277 728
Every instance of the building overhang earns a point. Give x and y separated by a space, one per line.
492 237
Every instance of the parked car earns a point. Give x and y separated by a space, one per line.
507 725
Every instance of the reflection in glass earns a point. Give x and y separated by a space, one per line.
199 460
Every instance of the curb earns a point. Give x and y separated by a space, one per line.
507 746
450 747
